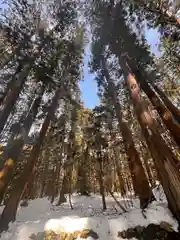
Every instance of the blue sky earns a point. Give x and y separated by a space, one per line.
88 85
152 37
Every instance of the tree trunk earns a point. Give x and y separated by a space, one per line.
174 110
164 113
44 175
82 173
33 110
100 179
63 190
150 177
9 212
66 187
167 173
53 183
146 157
121 180
140 181
59 160
163 157
56 178
13 151
58 170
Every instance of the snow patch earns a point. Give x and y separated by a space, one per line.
40 215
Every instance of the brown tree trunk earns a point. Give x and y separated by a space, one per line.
58 170
164 113
147 167
13 151
100 179
56 176
33 110
82 173
150 177
9 212
121 180
44 175
167 173
66 184
128 185
174 110
118 169
140 181
63 190
33 183
163 157
7 170
53 183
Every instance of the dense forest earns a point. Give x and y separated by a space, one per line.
51 144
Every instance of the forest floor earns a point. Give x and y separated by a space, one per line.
41 218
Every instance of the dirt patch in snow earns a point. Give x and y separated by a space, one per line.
51 235
163 231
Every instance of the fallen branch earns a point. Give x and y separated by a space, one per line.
115 199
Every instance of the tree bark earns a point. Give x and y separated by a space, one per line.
121 180
140 181
164 113
13 151
100 179
44 174
63 190
82 173
9 212
174 110
66 184
56 176
163 157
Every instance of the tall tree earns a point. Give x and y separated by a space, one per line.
66 67
117 42
165 162
134 161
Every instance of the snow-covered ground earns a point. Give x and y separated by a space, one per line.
40 215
